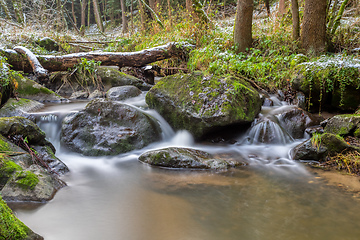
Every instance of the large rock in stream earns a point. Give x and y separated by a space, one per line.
23 176
174 157
202 104
107 127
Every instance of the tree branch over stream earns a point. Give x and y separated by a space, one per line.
122 59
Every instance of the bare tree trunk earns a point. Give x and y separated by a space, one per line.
6 9
132 18
142 17
89 11
124 19
267 6
282 7
83 4
243 25
296 19
313 32
73 11
169 12
97 15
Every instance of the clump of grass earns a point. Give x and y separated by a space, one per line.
350 162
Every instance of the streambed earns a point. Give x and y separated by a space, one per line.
120 198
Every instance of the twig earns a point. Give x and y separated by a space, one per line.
11 23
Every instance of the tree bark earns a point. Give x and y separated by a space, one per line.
121 59
143 18
73 12
267 6
295 19
243 25
83 4
313 32
282 7
123 15
97 16
38 70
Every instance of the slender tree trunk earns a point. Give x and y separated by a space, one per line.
6 9
132 17
89 11
97 15
73 11
83 12
169 12
124 19
267 6
282 7
142 17
243 25
104 10
296 19
313 32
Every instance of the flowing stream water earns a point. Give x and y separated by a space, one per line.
120 198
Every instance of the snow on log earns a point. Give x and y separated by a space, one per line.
121 59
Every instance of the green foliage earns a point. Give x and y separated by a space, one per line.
316 140
327 74
10 226
87 72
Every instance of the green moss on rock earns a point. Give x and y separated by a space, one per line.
10 227
343 124
27 180
198 103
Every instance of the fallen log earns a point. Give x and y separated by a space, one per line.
39 71
121 59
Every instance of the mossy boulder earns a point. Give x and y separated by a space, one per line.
23 179
327 144
48 44
19 107
332 82
107 127
20 127
174 157
345 124
12 228
30 89
203 104
122 92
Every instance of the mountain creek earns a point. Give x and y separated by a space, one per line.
118 197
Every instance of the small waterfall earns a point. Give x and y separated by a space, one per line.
268 131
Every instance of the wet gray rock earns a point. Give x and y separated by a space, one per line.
107 127
203 104
174 157
47 155
122 92
295 120
20 107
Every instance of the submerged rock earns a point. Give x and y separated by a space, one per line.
174 157
202 104
122 92
106 127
